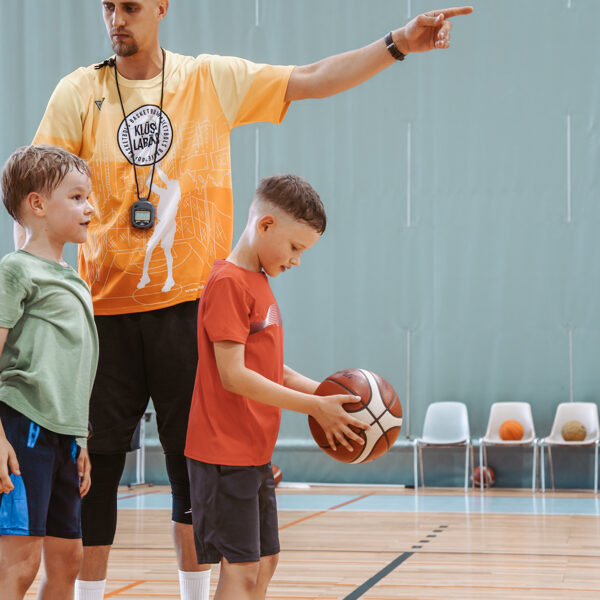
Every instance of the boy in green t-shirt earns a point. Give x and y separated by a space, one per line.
48 358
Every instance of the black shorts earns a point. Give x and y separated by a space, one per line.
142 355
45 499
234 512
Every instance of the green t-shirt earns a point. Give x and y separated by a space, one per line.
49 360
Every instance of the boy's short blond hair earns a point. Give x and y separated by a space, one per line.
296 197
36 169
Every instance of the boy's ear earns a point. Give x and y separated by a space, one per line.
36 203
265 223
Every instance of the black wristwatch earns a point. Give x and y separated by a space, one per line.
392 48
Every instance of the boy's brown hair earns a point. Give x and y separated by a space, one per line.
295 196
36 169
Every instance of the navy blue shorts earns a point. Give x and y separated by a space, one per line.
234 512
45 499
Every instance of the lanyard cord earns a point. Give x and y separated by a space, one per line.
162 89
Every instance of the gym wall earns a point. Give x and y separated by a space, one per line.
462 189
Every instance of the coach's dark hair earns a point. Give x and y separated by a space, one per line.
295 196
36 169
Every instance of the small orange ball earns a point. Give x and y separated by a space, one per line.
511 431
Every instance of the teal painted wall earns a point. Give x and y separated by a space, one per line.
460 260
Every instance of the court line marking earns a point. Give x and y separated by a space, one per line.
125 588
322 512
375 579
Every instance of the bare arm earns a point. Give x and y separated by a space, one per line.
238 379
296 381
341 72
8 459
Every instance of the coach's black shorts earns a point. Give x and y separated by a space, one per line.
234 512
145 354
45 499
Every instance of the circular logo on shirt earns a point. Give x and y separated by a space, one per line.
140 130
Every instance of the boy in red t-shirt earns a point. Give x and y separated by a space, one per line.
241 386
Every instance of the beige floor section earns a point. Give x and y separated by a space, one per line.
327 555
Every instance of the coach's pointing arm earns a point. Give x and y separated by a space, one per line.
344 71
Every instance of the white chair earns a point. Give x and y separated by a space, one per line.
446 424
499 413
586 413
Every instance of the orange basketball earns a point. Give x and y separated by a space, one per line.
511 431
489 477
378 407
277 475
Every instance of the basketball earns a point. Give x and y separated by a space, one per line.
379 407
489 477
277 475
574 431
511 431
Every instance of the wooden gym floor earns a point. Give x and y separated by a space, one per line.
376 543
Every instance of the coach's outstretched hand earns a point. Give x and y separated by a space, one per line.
428 31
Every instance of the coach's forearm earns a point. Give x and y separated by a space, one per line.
338 73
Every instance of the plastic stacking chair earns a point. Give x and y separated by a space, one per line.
503 411
446 424
586 413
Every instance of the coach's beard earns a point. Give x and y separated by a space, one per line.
125 49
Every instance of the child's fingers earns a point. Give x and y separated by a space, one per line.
13 463
6 485
330 441
343 440
355 437
84 486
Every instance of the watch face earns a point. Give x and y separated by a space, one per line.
142 215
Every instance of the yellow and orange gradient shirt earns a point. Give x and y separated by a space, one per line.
133 270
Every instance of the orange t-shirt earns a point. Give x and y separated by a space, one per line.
133 270
237 305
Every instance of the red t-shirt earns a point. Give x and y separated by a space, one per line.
237 305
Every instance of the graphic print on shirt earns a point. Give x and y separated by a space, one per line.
273 318
198 162
205 97
164 230
142 128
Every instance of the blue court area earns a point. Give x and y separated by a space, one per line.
469 504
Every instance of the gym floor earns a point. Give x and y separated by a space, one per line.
376 543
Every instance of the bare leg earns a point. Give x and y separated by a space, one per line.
61 562
19 563
268 564
95 563
237 581
183 537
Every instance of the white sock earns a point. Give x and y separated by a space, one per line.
89 590
194 585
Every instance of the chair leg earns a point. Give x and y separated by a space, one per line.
421 465
542 468
466 467
534 468
472 462
551 467
481 446
596 467
415 470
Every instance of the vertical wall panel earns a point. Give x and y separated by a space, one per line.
479 234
